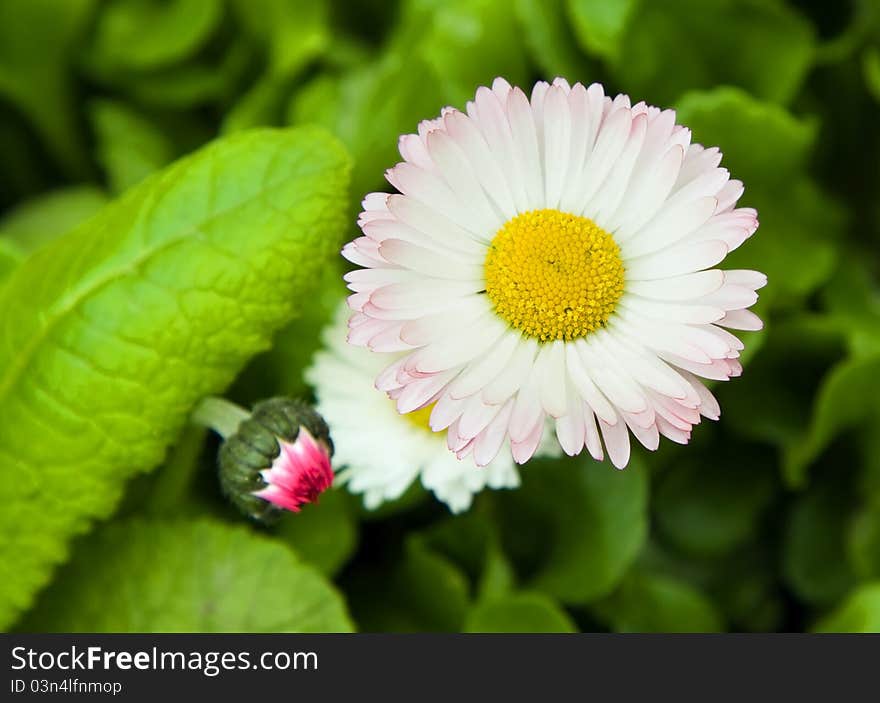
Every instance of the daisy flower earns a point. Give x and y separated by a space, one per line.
554 256
382 451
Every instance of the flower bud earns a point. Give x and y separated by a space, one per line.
278 459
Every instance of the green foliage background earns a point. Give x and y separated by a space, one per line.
130 287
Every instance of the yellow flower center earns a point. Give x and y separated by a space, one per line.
554 275
420 418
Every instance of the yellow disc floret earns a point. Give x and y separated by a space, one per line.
554 275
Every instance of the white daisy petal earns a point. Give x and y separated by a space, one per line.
549 256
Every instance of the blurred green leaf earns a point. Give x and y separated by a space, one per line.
37 41
768 148
708 506
144 35
600 24
869 476
114 331
37 222
437 55
497 578
863 543
759 406
761 45
464 43
860 612
654 603
324 534
575 526
852 300
472 542
814 559
549 38
849 395
359 109
130 147
421 591
292 32
872 71
518 612
187 576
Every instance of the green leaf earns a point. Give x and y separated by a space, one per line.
871 67
130 147
549 39
437 55
359 109
852 300
37 41
869 478
814 558
600 24
848 397
143 35
279 371
767 148
465 44
292 32
575 526
863 543
187 576
758 406
36 222
418 591
860 612
472 542
680 45
497 578
654 603
112 333
324 534
709 505
519 612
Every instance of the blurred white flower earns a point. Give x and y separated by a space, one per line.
379 451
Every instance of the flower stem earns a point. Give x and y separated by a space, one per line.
219 415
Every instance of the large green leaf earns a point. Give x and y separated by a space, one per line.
111 334
187 576
575 526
